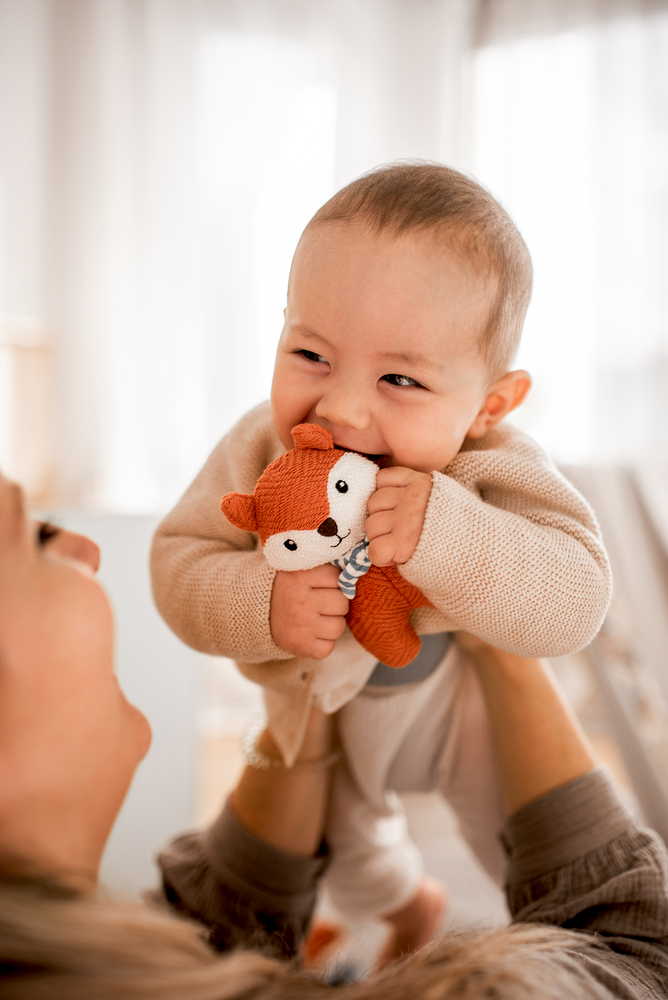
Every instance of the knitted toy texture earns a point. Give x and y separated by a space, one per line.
309 508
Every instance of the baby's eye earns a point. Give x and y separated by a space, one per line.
312 356
400 380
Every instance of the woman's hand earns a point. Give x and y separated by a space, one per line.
286 807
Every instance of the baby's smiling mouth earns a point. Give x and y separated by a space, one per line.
381 460
341 538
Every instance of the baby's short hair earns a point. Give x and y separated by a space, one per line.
419 196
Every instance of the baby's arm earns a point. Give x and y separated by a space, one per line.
211 584
214 587
510 551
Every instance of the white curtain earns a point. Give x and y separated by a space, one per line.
571 132
158 161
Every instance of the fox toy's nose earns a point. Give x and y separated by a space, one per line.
328 527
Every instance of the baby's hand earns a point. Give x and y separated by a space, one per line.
396 515
308 611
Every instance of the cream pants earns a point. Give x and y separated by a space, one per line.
433 735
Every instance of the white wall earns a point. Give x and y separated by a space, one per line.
160 675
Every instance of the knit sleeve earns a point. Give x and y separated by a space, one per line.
576 856
577 859
211 582
244 891
510 550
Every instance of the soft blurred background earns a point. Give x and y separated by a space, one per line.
158 161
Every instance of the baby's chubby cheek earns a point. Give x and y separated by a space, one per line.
423 454
284 419
430 441
291 402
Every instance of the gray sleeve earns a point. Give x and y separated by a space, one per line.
246 892
578 860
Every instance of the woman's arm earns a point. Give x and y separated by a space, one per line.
286 808
539 742
577 858
252 877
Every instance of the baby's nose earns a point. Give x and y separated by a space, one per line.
328 527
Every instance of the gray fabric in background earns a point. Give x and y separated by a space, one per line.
629 659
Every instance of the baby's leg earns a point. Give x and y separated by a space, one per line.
449 747
467 777
377 871
376 868
415 924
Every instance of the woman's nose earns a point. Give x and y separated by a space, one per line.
75 546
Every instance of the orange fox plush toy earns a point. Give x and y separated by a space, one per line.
309 508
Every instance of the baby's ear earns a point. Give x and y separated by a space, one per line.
503 396
239 509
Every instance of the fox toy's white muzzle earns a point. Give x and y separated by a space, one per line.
349 485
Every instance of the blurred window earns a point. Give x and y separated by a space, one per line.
571 133
158 162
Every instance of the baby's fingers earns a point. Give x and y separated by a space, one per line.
395 475
385 499
320 649
325 577
382 551
381 523
330 627
330 602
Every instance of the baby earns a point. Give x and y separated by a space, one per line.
406 300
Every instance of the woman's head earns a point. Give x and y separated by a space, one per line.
69 740
57 946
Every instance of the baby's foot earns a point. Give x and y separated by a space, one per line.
323 937
416 923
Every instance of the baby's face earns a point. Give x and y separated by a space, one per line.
381 346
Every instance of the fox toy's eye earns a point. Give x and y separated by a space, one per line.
290 545
341 486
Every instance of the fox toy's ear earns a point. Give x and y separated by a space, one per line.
239 509
312 436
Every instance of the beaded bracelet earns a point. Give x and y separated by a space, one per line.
262 762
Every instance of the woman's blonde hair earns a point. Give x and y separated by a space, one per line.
59 944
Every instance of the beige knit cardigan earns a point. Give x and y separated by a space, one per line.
509 551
